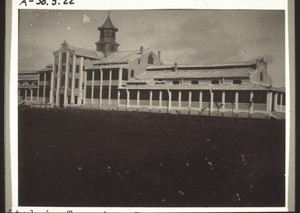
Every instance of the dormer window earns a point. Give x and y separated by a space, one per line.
215 82
194 82
150 59
236 81
261 76
175 82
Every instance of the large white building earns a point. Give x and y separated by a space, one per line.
139 80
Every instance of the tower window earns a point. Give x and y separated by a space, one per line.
150 59
64 58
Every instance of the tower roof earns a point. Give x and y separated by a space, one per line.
108 24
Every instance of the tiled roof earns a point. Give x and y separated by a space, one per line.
97 67
108 24
190 74
80 51
33 76
250 86
122 57
199 66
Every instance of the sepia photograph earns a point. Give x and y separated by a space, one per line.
151 108
122 108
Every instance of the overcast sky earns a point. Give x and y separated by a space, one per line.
183 36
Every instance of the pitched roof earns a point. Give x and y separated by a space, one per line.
108 24
28 76
80 51
249 64
121 57
250 86
193 74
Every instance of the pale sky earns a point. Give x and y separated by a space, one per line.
183 36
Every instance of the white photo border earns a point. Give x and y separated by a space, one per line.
11 105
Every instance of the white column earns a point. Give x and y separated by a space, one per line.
51 84
120 77
190 99
269 101
127 99
30 95
170 100
92 92
73 79
236 102
80 81
223 100
44 89
84 91
58 78
109 87
66 80
119 98
101 82
200 99
38 95
281 101
275 101
138 98
160 99
150 98
179 98
251 100
211 100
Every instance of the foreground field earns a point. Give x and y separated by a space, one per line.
103 158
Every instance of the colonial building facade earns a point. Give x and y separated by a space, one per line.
139 80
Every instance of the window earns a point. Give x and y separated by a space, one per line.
115 75
106 75
82 86
76 99
150 59
76 83
55 84
71 68
89 75
175 82
77 68
70 82
64 58
261 76
139 61
56 68
194 82
63 68
41 76
48 76
132 73
88 92
237 82
62 81
97 75
215 82
125 74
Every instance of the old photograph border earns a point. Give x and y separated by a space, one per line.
11 105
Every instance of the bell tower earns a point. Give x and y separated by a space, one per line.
107 42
